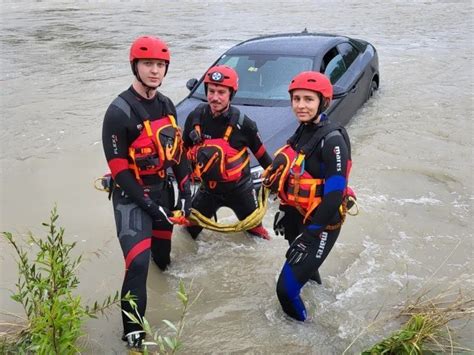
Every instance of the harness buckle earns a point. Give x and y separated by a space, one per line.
297 168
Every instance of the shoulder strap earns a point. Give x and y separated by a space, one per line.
295 135
135 105
237 118
322 132
196 118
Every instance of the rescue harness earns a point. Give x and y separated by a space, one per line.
296 187
158 146
214 159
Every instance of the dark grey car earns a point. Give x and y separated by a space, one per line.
266 65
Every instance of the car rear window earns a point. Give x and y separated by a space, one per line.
263 77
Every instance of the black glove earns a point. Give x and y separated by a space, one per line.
157 213
300 248
278 227
184 203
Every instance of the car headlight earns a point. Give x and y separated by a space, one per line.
257 172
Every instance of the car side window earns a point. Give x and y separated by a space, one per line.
349 53
333 65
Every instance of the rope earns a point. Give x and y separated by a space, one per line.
251 221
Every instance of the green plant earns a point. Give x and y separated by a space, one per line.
165 344
45 290
427 330
429 320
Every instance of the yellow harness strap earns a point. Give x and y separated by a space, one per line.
228 132
298 163
131 153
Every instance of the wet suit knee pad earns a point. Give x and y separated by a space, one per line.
288 292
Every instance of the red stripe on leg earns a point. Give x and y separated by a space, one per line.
136 250
161 234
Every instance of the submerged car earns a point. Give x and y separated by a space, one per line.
266 65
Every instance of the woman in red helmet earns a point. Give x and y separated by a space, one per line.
141 140
218 137
310 176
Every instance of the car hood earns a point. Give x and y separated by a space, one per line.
275 124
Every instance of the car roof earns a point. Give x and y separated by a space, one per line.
303 43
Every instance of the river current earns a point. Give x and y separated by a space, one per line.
62 63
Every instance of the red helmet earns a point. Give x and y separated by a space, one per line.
314 81
148 47
222 75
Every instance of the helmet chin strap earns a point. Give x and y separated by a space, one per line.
149 90
322 106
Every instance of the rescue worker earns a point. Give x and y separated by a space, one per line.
141 140
218 136
310 176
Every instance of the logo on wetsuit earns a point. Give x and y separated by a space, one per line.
114 143
337 151
323 236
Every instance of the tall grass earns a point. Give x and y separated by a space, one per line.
428 327
428 319
46 281
159 343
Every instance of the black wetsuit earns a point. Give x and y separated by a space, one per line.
140 230
329 160
240 196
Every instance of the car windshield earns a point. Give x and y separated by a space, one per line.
263 78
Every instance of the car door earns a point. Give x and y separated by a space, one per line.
337 64
356 72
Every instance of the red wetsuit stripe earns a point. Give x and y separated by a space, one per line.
161 234
349 167
260 152
136 250
182 182
117 165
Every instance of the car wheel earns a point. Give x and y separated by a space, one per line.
372 89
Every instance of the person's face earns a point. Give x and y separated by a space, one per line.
305 104
151 71
218 97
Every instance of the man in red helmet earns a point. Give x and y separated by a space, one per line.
141 140
310 176
218 137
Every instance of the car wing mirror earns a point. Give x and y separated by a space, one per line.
191 83
338 92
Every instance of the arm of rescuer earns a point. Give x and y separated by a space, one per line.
114 141
255 144
335 159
